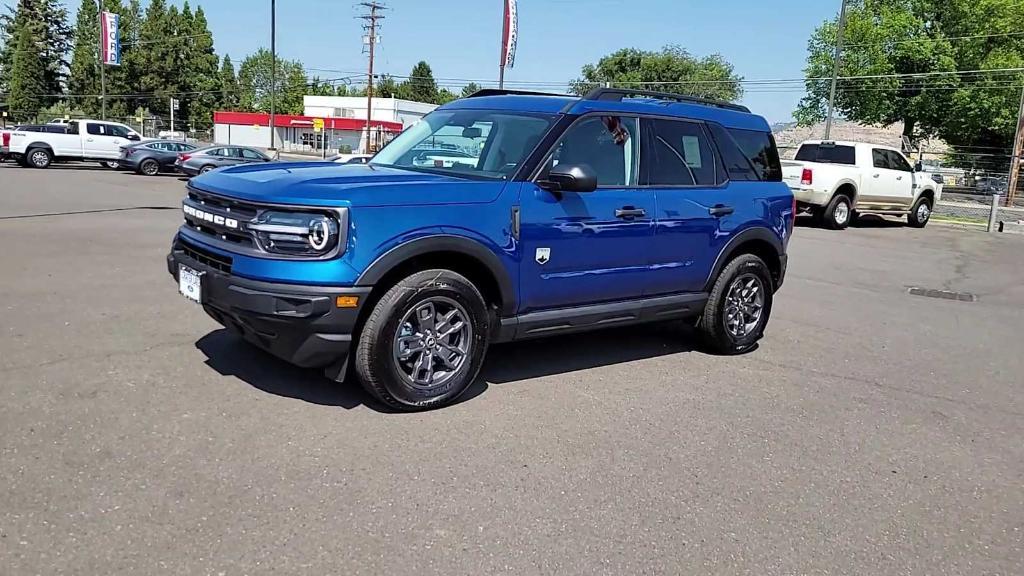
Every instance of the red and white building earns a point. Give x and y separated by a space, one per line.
296 133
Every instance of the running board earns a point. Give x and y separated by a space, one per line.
597 316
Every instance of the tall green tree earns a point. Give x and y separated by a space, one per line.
420 86
927 54
470 89
157 73
84 77
672 69
254 84
228 85
27 79
202 78
48 20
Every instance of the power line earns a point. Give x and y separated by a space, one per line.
937 39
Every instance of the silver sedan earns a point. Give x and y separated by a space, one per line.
205 159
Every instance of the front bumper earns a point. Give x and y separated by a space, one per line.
299 324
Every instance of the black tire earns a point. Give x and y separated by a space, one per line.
837 213
920 214
377 362
149 167
39 157
206 169
713 324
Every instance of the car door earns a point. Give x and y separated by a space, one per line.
592 247
100 142
878 181
901 194
695 205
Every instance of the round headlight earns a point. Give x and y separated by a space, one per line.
319 233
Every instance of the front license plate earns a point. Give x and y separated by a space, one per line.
190 283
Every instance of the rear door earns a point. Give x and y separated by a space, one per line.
679 164
594 247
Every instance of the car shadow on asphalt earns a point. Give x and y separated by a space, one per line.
864 221
229 355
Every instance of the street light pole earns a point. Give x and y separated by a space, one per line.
835 70
273 67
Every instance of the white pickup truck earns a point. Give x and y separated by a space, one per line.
73 140
836 181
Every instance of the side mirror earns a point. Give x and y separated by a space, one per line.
918 167
570 178
134 137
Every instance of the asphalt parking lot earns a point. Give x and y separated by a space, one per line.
872 432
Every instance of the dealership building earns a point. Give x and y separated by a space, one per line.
344 124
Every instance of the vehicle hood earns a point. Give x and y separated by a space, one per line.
335 185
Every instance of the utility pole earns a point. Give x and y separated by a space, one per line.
1018 144
99 58
273 67
835 70
371 38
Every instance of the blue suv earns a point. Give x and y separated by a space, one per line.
502 216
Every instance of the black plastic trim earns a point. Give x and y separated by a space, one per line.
443 243
730 248
597 316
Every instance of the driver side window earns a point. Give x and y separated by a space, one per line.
608 144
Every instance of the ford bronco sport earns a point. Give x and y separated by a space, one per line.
539 215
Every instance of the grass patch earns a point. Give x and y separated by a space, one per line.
960 220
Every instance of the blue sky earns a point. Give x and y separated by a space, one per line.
459 38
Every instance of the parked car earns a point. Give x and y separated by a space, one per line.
350 158
39 145
153 156
565 223
991 185
835 181
171 135
203 160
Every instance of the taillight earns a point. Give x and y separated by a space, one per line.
183 157
7 138
807 178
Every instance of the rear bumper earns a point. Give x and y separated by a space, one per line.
127 164
299 324
808 196
186 170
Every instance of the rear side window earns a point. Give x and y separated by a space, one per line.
759 148
679 154
828 154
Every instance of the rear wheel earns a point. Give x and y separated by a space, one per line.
424 341
112 164
39 158
149 167
837 213
738 307
920 214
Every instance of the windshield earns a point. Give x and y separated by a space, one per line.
470 143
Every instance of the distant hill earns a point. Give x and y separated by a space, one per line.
789 136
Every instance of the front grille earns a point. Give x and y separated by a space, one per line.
240 212
206 257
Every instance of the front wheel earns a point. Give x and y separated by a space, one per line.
920 214
424 341
738 307
205 169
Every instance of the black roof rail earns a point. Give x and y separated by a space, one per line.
618 94
502 92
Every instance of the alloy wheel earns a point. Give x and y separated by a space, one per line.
744 304
432 343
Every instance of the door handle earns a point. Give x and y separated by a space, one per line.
88 139
719 210
876 175
627 212
899 177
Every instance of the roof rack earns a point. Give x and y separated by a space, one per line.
618 94
502 92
